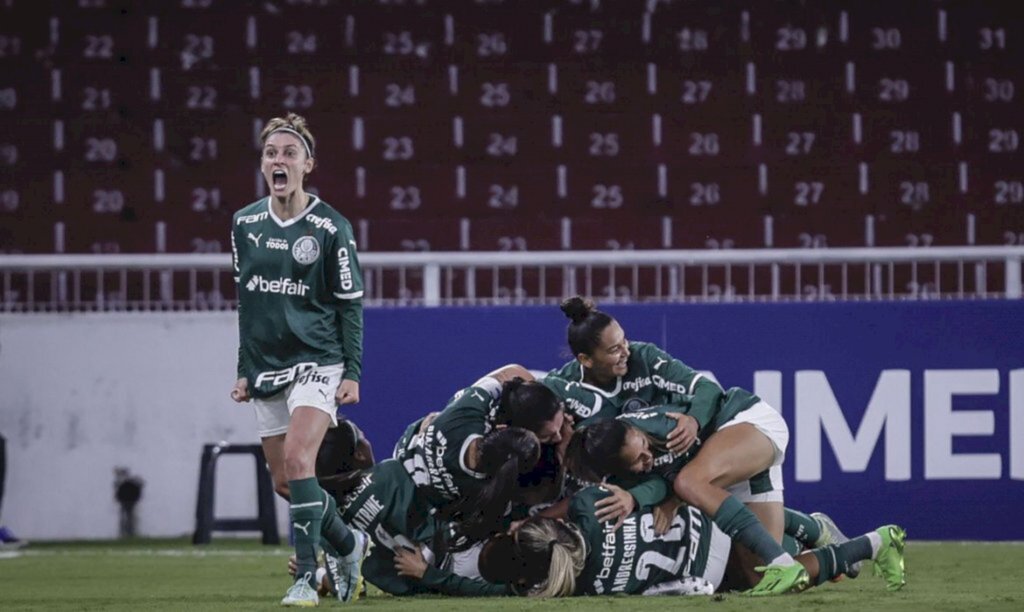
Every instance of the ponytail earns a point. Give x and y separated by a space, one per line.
505 455
586 325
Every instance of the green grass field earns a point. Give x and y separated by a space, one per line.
242 575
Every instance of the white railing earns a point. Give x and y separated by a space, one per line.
32 283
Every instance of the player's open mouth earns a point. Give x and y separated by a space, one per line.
279 178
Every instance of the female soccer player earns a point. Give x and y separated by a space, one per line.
385 503
742 442
300 324
582 556
434 452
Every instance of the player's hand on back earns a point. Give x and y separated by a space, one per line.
615 507
685 433
348 392
241 391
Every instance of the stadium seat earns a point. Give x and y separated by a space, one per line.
505 233
488 188
505 137
500 87
401 140
615 230
818 137
387 234
402 190
996 225
794 184
732 189
820 227
595 188
706 137
397 87
910 228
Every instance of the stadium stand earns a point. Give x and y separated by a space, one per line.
441 125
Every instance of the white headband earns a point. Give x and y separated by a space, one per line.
305 143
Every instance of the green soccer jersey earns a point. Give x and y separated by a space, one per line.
387 506
653 377
300 293
435 459
633 558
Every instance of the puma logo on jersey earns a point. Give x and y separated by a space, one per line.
660 362
323 393
304 528
255 239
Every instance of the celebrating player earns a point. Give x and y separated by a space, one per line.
300 324
736 477
582 556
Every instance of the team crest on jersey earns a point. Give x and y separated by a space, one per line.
306 250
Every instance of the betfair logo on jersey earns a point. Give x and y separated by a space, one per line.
277 244
344 269
322 223
246 219
281 286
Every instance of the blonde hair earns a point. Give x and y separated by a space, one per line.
292 123
568 554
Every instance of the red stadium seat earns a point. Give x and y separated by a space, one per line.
593 189
619 231
401 140
433 234
399 191
511 137
505 233
733 190
489 188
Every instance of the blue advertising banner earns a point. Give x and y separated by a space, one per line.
907 412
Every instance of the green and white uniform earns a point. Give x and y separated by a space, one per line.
386 505
634 559
300 293
650 489
653 378
435 459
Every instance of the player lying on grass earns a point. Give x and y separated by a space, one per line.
386 503
548 557
736 477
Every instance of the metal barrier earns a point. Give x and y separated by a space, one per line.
85 283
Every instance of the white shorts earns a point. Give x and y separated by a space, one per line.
764 487
314 388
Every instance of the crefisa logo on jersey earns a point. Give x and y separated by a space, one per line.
306 250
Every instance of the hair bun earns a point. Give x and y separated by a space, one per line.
577 309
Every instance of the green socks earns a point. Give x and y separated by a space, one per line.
836 559
740 524
306 512
334 529
802 527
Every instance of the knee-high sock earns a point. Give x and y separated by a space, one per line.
742 525
802 527
306 512
333 529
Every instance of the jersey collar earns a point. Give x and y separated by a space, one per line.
313 201
599 390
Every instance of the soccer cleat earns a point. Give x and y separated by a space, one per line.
301 594
347 573
830 534
889 564
689 585
780 579
8 540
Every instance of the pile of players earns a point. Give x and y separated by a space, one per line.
625 471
